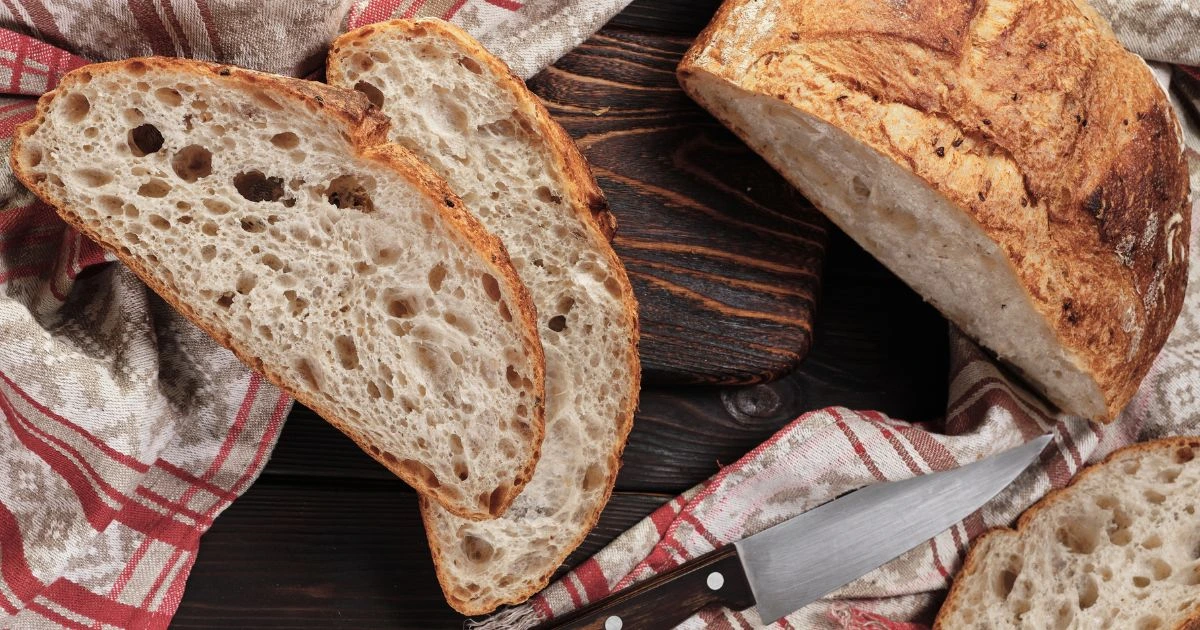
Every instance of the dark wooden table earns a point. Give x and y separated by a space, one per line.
327 538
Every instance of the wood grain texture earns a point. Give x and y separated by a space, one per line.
332 555
724 255
680 17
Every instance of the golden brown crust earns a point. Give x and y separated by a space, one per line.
978 547
367 129
586 200
1026 114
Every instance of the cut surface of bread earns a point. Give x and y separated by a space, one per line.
971 148
460 108
1118 548
274 214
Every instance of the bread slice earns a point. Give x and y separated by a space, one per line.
273 213
978 151
460 108
1118 548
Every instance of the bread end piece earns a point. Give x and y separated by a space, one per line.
1116 548
976 150
364 129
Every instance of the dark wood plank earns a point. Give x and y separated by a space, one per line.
724 255
333 555
682 17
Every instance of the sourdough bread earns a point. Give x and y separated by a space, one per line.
458 107
273 213
1118 548
1008 159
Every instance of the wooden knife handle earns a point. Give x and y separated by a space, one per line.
668 599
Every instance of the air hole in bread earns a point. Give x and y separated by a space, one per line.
90 133
399 307
558 323
132 237
861 190
93 177
159 222
155 189
505 314
285 140
460 469
416 470
470 64
436 276
350 192
1141 581
1089 592
347 352
296 304
522 411
256 186
31 153
208 252
594 477
374 95
144 140
497 497
1005 579
216 206
491 287
456 357
1131 467
246 282
1160 569
1149 622
254 225
307 374
1184 454
477 550
1152 541
514 377
192 162
1079 535
362 62
1154 496
208 228
75 106
543 193
226 300
1169 475
168 96
272 261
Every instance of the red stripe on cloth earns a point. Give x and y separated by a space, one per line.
239 425
542 608
506 4
932 451
51 615
19 272
111 452
413 8
937 561
701 529
14 80
568 583
662 518
899 448
272 430
130 567
152 27
174 506
206 17
15 567
28 102
8 124
592 578
858 447
42 20
188 477
184 45
82 601
89 254
161 578
376 11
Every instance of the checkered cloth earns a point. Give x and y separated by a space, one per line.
826 453
124 430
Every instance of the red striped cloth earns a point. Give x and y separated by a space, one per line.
124 430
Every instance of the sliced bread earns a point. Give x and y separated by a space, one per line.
273 213
458 107
1118 548
977 150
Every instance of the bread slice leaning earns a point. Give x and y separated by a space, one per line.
976 151
273 213
1118 548
460 108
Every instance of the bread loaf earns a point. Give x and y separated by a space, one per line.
273 213
1118 548
460 108
1008 159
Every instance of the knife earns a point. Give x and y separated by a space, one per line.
794 563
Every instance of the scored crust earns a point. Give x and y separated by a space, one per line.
588 202
974 558
1027 115
368 135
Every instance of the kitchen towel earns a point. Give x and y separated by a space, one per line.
829 452
124 430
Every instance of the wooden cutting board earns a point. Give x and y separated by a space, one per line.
724 255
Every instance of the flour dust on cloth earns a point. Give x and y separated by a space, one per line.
124 430
826 453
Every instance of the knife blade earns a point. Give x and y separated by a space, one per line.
793 563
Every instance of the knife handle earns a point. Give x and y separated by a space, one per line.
666 600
